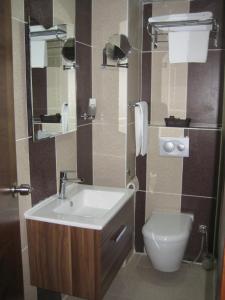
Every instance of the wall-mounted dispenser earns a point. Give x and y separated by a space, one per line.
91 111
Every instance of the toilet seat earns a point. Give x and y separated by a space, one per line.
169 227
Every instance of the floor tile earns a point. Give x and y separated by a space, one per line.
139 281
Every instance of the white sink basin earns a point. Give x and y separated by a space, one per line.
86 206
90 203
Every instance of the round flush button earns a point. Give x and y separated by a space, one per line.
168 146
180 147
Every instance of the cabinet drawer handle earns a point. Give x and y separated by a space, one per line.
117 238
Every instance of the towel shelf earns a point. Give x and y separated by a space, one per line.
154 28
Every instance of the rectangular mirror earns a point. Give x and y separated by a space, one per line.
52 67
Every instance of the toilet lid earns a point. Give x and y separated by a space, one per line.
168 226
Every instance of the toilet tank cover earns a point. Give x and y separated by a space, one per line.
168 226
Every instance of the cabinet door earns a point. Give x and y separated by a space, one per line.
117 241
50 256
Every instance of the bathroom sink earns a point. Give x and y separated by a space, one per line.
86 206
90 203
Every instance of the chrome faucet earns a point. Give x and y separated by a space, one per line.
63 181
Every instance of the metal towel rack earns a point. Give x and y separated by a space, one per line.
154 28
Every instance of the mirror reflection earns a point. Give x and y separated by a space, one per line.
118 47
53 78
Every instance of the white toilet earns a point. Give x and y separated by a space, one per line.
165 238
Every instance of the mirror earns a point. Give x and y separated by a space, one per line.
53 74
68 50
118 47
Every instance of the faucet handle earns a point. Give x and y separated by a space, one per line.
64 176
64 173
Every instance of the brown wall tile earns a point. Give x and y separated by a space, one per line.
139 220
41 12
83 21
204 90
42 169
48 295
200 169
147 13
217 8
84 81
39 77
84 153
84 89
202 209
146 79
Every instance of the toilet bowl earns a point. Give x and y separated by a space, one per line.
165 238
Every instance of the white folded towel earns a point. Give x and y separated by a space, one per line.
38 54
187 43
141 128
202 16
188 46
138 129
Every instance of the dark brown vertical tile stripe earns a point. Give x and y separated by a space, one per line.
84 89
141 166
84 154
83 21
42 169
147 13
200 175
139 220
146 79
202 209
41 12
39 87
141 162
204 90
217 7
48 295
200 169
84 81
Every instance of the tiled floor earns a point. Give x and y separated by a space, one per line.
139 281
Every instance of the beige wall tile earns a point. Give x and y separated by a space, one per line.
169 89
30 292
167 8
161 202
63 12
171 7
109 87
164 174
108 140
66 153
135 23
19 73
23 176
24 205
17 7
133 83
109 170
22 161
114 22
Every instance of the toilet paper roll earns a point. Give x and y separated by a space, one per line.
133 184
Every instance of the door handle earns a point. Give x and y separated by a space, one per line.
23 190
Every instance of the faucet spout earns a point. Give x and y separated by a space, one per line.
64 180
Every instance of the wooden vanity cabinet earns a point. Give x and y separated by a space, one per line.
77 261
